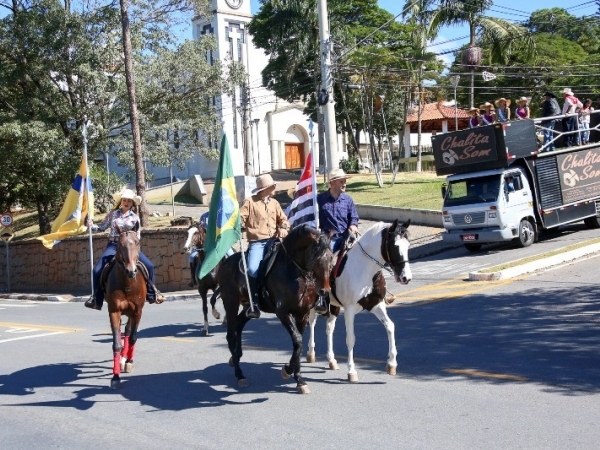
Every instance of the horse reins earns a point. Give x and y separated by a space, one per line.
303 272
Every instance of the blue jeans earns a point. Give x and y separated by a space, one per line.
256 252
570 124
584 130
109 253
548 134
336 243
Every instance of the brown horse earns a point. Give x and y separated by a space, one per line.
125 295
195 240
299 273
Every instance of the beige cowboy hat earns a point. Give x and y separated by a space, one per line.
337 174
485 105
567 91
472 108
523 99
502 99
291 192
263 182
127 193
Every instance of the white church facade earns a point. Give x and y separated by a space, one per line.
279 135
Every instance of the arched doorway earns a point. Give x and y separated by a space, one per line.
295 139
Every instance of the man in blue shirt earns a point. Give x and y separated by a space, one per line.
337 217
337 213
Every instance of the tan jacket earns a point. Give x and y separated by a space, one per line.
261 219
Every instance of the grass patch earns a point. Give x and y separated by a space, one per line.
522 261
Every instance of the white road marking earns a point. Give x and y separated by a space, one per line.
31 336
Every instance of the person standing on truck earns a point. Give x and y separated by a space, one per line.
571 108
522 110
550 108
584 121
475 119
503 106
489 116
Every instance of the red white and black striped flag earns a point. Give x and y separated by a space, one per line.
303 209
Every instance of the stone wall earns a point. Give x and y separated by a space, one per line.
66 268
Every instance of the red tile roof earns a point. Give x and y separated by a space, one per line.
436 111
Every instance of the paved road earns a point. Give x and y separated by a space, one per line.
511 366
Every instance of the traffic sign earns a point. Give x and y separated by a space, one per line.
7 234
6 219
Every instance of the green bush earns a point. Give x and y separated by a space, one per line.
349 165
104 186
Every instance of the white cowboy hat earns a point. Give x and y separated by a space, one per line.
337 174
523 99
567 91
472 108
505 100
127 193
485 105
263 182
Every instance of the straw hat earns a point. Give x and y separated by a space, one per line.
486 105
127 193
567 91
291 192
337 174
502 99
523 99
263 182
472 108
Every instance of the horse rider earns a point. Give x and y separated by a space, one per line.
337 216
262 217
122 217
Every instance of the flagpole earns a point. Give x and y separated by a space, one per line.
243 258
313 173
87 187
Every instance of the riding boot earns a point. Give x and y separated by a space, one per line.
253 312
152 295
193 272
91 303
322 304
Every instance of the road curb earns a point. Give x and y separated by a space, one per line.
35 297
534 266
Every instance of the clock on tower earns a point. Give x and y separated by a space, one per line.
234 4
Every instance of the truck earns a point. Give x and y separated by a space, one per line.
503 186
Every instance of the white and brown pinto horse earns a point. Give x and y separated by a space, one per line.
361 286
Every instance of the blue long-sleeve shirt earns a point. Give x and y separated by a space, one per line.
336 215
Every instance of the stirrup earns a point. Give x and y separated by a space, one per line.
253 313
91 303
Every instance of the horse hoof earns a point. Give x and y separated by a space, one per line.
333 365
204 332
303 389
243 383
230 361
310 358
129 367
115 384
216 314
391 370
284 373
353 377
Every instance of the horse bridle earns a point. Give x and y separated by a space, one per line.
386 257
303 272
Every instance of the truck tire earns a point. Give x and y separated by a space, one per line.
592 222
526 234
473 247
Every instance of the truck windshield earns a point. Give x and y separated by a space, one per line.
473 190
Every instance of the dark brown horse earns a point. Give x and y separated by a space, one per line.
125 295
300 271
195 240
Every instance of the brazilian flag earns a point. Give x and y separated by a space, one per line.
224 214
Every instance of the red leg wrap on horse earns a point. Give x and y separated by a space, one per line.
130 353
125 349
117 363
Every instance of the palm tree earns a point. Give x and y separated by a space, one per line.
500 36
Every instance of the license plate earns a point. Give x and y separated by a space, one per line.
469 237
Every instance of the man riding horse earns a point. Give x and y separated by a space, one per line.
262 217
337 217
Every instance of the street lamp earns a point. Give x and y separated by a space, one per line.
454 79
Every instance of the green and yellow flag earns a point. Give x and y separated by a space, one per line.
71 220
224 214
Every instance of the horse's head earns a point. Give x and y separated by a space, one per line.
394 249
196 237
309 249
128 250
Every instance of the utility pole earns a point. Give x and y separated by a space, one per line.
325 98
246 136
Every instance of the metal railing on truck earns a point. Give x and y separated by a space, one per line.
557 135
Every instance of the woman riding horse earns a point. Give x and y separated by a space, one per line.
123 217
